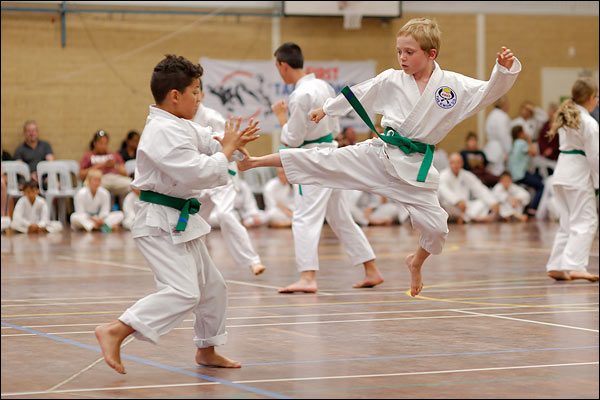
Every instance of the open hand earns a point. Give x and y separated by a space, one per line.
506 58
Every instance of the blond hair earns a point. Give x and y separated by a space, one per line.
568 114
425 31
92 173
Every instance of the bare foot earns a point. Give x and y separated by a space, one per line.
210 358
368 282
110 343
302 286
560 275
416 285
372 276
583 275
258 269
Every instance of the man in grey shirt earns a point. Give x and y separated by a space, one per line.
33 150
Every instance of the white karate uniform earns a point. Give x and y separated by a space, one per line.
503 197
574 181
499 140
548 207
390 210
220 201
384 169
468 188
179 158
276 194
26 214
245 204
88 206
317 203
129 210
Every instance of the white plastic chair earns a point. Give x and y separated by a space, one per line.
130 166
60 185
13 169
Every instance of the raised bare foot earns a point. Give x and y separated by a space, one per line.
302 286
110 343
258 269
560 275
416 285
583 275
210 358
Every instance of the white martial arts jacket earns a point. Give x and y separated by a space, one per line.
178 158
573 169
448 99
497 128
26 213
309 94
463 187
245 203
96 206
503 197
206 116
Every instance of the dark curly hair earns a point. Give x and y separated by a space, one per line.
173 72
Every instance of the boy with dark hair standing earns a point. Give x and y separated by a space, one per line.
176 158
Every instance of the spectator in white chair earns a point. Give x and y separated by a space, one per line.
92 207
31 212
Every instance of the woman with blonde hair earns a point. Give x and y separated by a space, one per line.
574 180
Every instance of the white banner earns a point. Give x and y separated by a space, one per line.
248 88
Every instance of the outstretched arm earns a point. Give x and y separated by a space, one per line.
270 160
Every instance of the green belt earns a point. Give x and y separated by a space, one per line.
392 137
581 152
231 172
187 207
323 139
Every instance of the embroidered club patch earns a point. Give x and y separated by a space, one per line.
445 97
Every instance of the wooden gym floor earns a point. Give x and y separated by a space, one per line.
489 323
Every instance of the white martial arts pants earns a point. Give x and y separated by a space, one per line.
578 227
187 280
234 233
362 167
276 216
312 207
393 211
84 221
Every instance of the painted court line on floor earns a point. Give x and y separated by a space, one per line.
155 364
314 378
473 315
529 321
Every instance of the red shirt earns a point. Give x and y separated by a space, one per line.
89 159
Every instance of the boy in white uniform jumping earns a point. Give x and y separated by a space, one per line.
420 104
176 159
